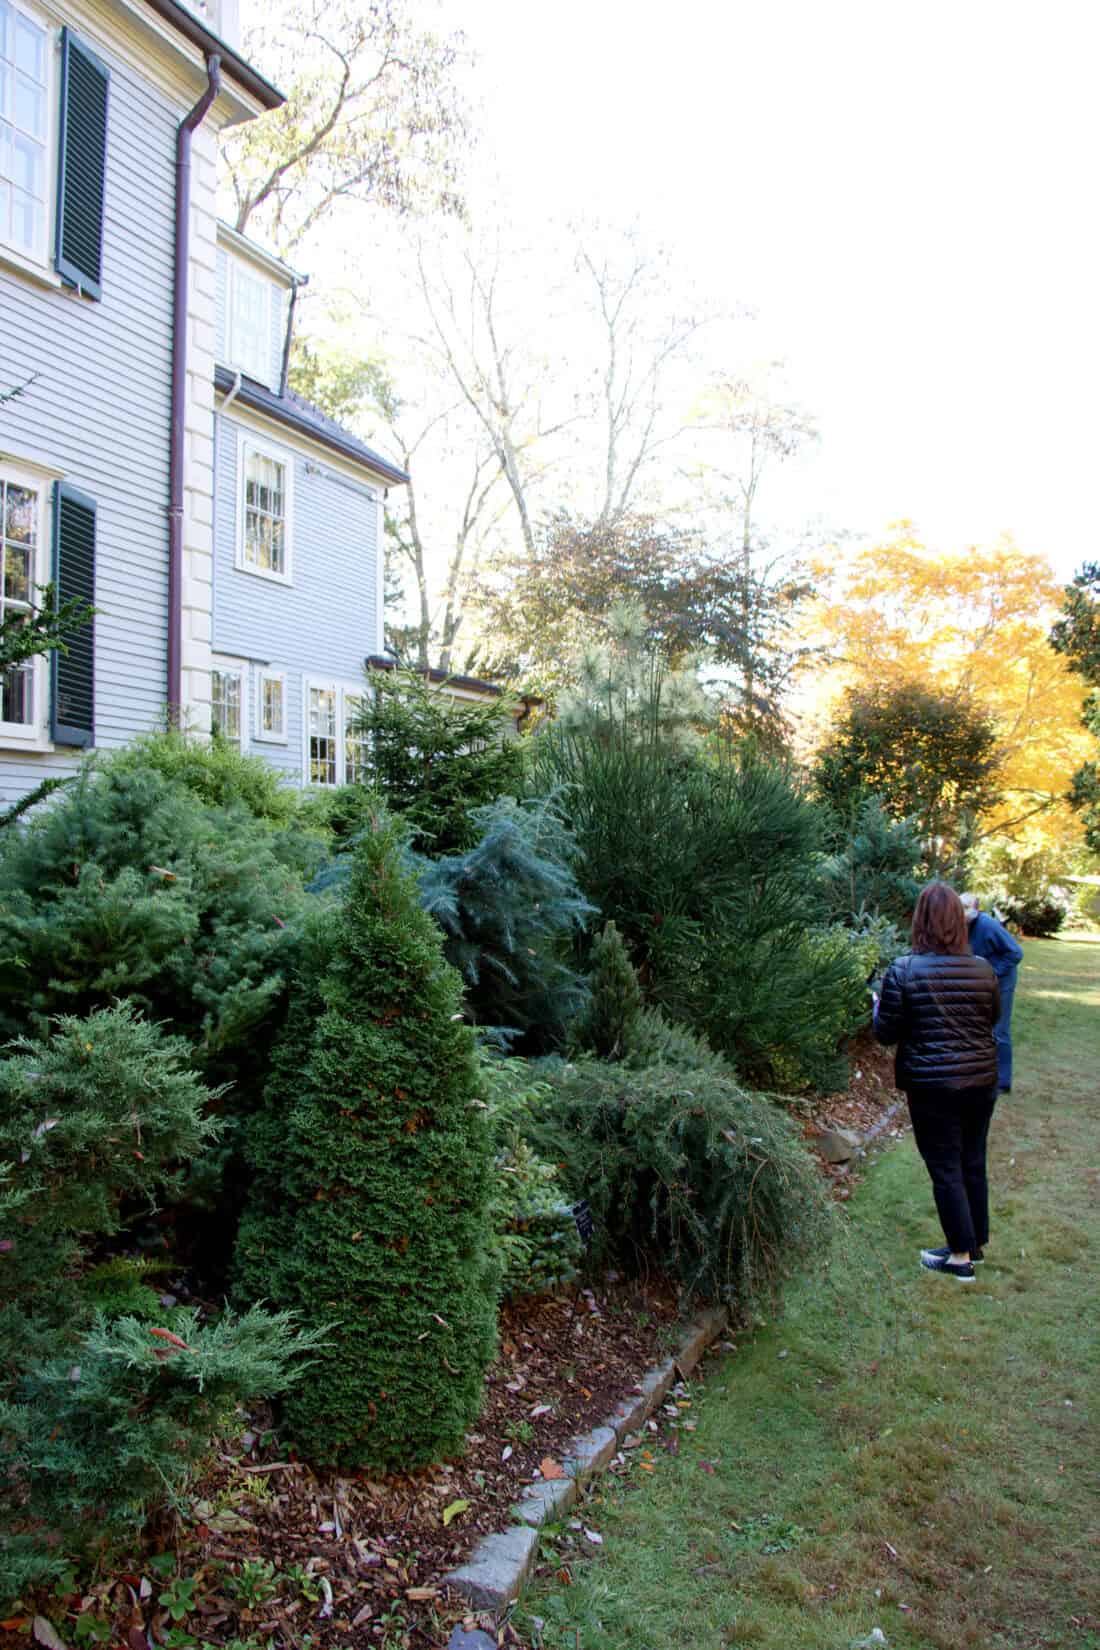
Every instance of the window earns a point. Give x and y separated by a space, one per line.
22 532
322 761
248 322
226 697
334 753
265 511
25 60
272 707
52 170
356 746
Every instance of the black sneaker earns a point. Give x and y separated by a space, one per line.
962 1270
976 1259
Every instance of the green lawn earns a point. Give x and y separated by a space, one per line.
894 1439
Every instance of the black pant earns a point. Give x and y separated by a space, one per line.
950 1127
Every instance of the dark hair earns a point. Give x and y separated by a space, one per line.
939 921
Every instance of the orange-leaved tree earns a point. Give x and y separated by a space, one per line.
974 621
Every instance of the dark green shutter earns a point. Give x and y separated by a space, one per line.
82 167
72 720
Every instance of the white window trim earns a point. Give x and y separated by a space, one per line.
235 268
282 737
249 442
39 263
18 735
344 691
227 666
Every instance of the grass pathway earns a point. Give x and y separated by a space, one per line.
897 1451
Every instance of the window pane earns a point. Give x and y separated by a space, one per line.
225 703
28 165
18 571
20 514
271 706
30 106
30 47
17 696
27 219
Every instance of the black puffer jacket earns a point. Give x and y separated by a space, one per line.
940 1011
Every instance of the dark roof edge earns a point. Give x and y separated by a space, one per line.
233 63
378 661
265 401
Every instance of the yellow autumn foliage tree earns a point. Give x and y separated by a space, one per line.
974 620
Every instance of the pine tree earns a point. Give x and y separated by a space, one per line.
616 1002
369 1213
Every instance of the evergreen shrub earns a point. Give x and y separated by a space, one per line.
106 1398
610 1026
213 770
130 887
686 1172
110 1427
510 910
532 1219
369 1210
874 868
708 862
436 759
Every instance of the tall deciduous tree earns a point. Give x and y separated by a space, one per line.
373 114
1076 637
976 622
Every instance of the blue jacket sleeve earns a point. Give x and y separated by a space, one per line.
1003 952
890 1019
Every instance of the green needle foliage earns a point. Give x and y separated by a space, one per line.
96 1114
369 1212
436 759
685 1171
609 1028
102 1415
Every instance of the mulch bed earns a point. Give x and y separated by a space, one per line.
371 1553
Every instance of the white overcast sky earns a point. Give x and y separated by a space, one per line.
905 193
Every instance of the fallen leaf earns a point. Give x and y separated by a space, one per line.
506 1453
173 1340
595 1538
418 1595
45 1634
551 1468
453 1511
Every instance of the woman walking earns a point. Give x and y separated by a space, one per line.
940 1005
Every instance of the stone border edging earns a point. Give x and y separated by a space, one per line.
499 1565
884 1122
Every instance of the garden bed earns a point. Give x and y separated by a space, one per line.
361 1560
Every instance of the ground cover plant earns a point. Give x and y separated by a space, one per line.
889 1453
368 1213
107 1399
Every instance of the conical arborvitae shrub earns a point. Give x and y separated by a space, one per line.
616 1000
373 1161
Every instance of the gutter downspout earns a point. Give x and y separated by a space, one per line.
180 281
288 337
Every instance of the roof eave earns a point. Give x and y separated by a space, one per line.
269 405
233 64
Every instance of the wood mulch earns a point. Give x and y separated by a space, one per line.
360 1561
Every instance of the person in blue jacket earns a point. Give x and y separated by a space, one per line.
989 939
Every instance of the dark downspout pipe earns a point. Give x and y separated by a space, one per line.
288 339
187 126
